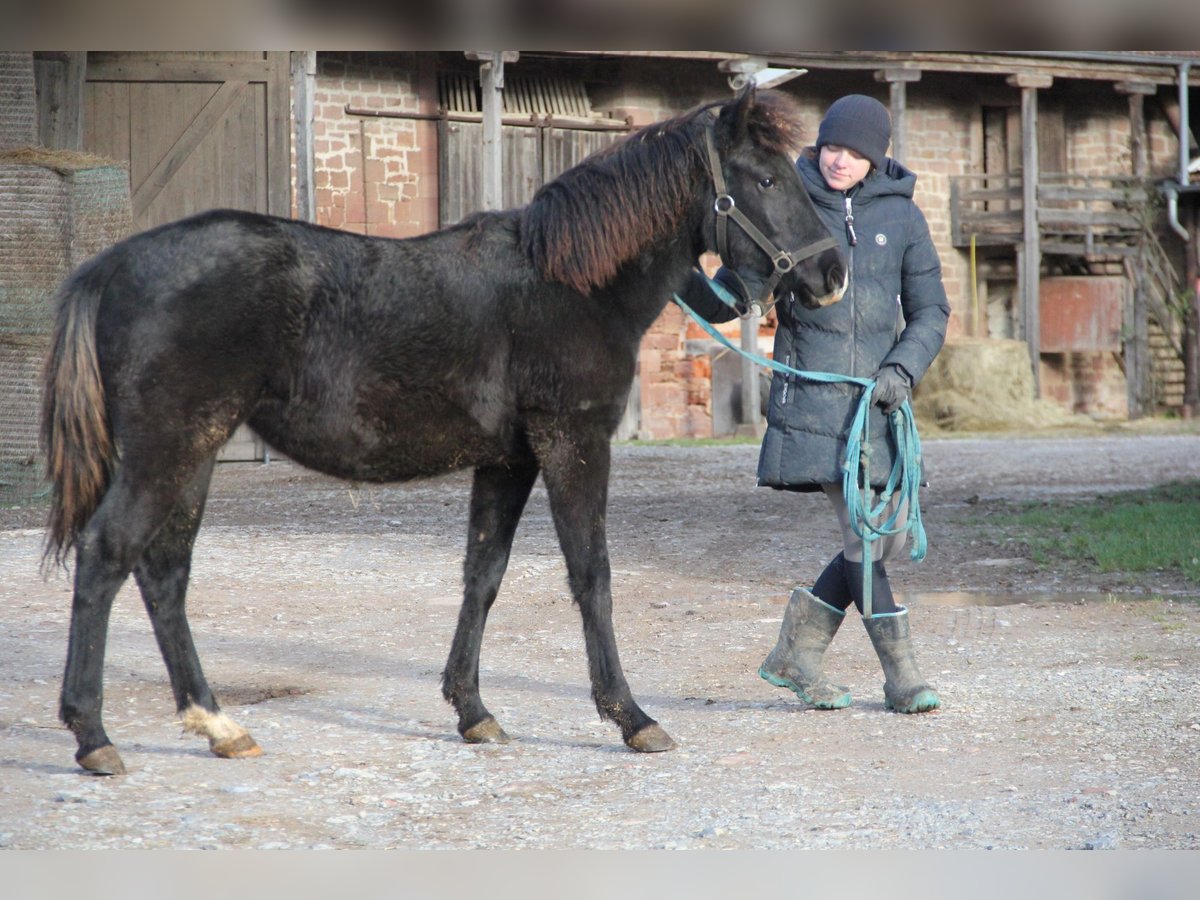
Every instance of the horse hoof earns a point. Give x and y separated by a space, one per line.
651 739
487 731
104 761
241 747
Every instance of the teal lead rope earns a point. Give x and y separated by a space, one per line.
867 521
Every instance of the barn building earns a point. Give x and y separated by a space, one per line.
1061 188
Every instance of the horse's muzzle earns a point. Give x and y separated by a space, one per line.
810 300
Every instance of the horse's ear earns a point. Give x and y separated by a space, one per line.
734 122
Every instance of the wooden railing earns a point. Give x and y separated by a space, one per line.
1076 214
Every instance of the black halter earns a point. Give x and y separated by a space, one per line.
726 208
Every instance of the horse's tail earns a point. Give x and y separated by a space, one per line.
76 434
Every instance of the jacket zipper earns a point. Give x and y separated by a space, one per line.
787 361
852 239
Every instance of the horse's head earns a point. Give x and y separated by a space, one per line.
762 222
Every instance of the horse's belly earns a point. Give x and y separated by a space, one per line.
395 447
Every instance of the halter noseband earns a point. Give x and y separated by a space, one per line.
726 208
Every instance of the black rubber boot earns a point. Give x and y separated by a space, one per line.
904 690
808 626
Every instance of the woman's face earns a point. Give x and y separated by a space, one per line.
842 167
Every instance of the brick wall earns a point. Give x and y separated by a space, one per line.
373 175
938 145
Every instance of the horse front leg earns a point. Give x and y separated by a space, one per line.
498 497
576 468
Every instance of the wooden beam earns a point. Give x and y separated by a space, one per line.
189 71
1031 254
1191 329
491 84
1145 88
279 134
1030 80
60 80
898 73
897 78
984 64
303 77
752 424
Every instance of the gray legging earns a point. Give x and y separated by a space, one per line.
883 549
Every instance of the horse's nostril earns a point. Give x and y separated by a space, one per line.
836 278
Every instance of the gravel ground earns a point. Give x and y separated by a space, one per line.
324 611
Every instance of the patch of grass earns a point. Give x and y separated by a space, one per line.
1133 531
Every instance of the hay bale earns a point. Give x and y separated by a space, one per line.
978 384
18 100
57 208
35 229
21 469
101 212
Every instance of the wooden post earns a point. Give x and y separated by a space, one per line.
59 78
1191 330
304 74
1136 346
752 420
1137 91
491 83
897 78
1031 255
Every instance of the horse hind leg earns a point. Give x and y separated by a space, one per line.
498 497
107 550
162 575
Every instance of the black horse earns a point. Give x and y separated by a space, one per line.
506 343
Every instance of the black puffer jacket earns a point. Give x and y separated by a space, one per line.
894 268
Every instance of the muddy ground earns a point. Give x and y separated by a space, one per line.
323 613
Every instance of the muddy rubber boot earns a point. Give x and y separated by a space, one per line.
904 690
795 663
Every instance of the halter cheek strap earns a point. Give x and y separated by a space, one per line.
726 208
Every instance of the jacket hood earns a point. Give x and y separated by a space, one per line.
892 179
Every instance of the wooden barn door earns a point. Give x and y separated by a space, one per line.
198 131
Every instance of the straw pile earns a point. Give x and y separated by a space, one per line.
980 384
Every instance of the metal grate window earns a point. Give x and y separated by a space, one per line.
540 95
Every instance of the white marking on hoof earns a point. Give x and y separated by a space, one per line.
225 737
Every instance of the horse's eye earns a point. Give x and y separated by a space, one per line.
766 183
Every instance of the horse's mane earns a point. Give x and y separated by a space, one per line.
582 226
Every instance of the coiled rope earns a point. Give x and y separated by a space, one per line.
868 522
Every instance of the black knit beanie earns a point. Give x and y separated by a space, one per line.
860 123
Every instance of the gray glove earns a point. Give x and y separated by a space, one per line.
892 388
